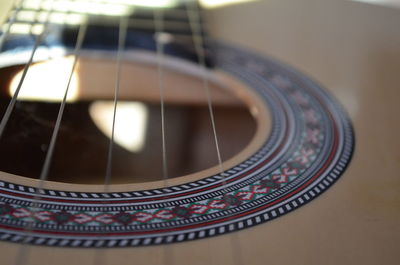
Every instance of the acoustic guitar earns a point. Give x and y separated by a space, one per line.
155 135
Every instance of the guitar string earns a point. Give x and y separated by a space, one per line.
142 22
198 41
49 155
196 30
13 101
24 250
99 255
54 136
159 28
15 10
55 132
193 13
123 28
158 16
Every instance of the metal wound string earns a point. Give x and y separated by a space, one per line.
123 28
49 155
13 100
23 253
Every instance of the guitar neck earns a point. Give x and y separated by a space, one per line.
27 20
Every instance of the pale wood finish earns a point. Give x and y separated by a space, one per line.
353 50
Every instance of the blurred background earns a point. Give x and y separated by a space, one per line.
352 48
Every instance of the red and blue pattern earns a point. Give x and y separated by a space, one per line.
309 147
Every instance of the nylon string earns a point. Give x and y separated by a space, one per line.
195 25
198 42
193 13
99 255
159 39
123 28
194 20
159 28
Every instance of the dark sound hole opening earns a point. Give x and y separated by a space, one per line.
81 150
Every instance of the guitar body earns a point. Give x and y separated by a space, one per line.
262 209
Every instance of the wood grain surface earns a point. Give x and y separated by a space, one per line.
353 50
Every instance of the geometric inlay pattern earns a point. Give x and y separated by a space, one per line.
309 147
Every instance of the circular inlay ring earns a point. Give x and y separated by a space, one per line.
310 145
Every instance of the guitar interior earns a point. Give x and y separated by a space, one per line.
82 145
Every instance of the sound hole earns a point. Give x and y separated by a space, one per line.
82 145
